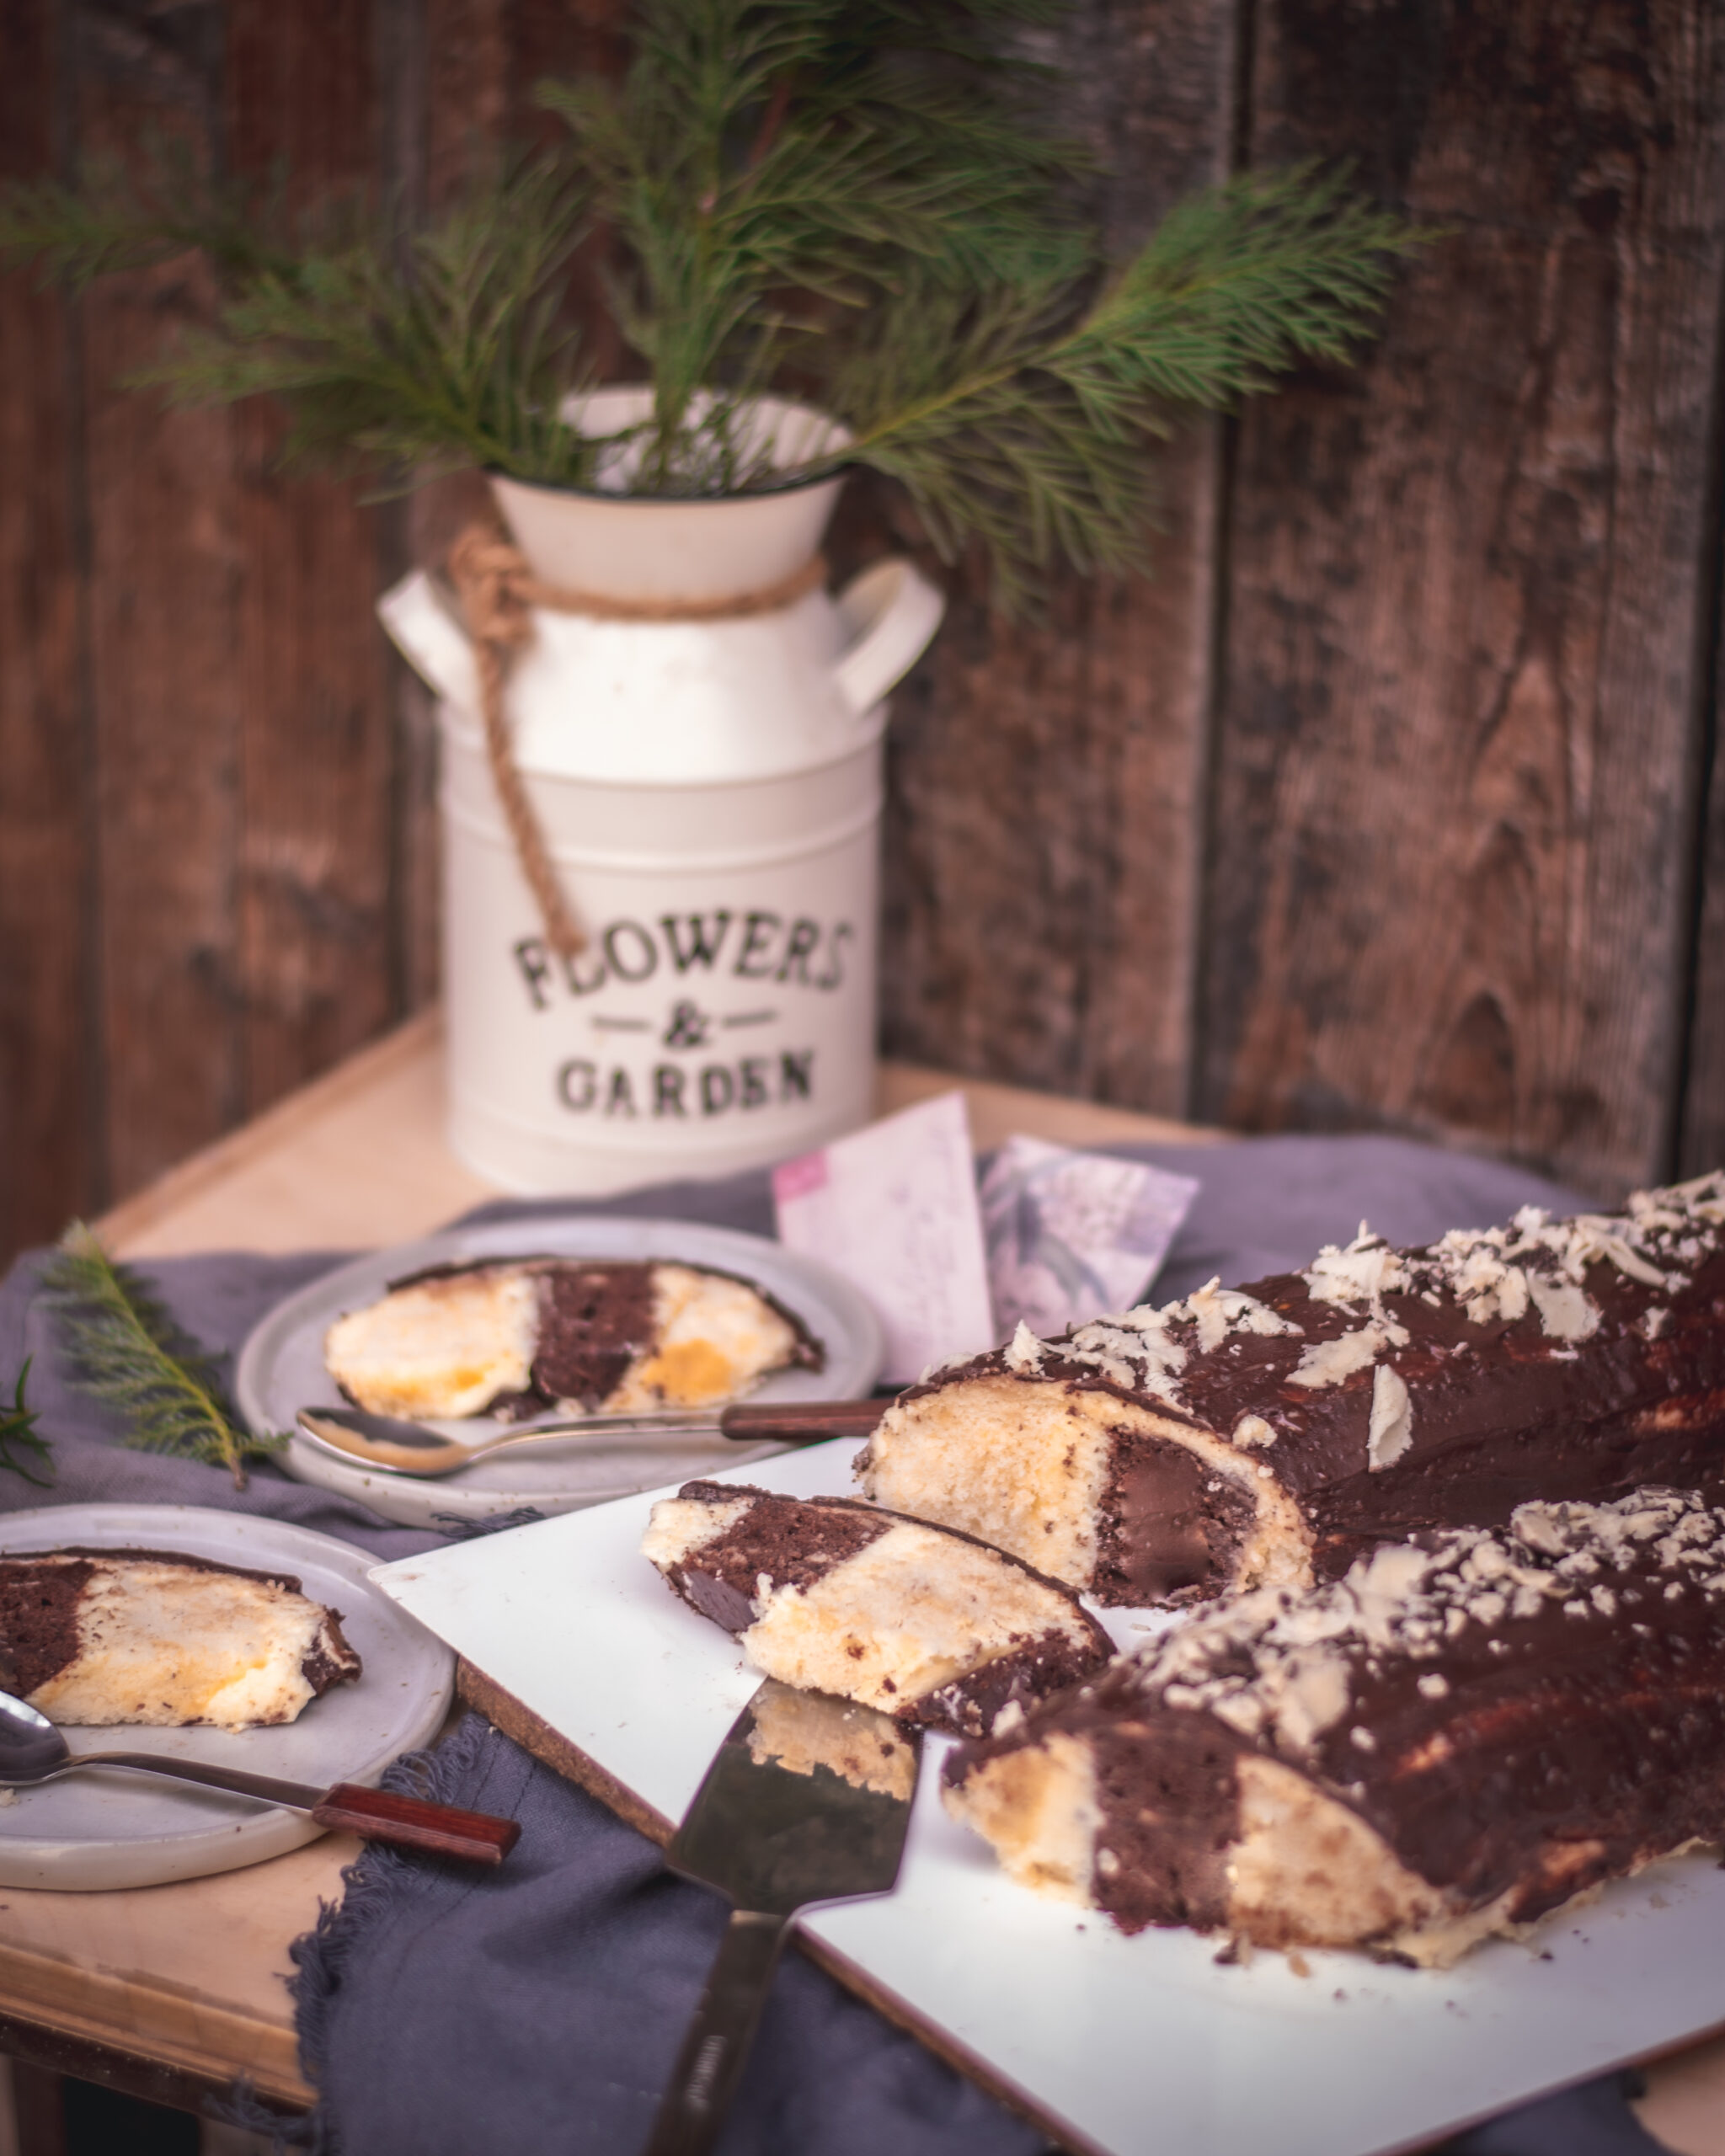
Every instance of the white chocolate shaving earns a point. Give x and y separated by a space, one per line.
1024 1353
1364 1272
1392 1428
1565 1312
1329 1362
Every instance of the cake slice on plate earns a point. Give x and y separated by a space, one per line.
144 1636
517 1335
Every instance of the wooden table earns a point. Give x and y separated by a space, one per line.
173 1990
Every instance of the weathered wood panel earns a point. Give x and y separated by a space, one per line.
1703 1136
1461 602
1460 736
164 571
315 755
1043 865
47 1165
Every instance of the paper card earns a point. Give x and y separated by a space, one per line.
1070 1235
893 1209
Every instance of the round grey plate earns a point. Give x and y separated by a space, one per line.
281 1367
101 1830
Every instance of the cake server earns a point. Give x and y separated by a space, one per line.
396 1446
808 1800
32 1750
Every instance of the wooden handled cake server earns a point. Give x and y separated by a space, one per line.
395 1446
32 1750
808 1800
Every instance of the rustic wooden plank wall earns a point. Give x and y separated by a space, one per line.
1464 714
1380 807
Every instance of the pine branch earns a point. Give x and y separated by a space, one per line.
126 1351
761 147
1028 422
111 219
457 360
1237 284
859 203
17 1428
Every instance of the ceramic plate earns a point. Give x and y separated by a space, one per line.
281 1367
119 1829
1140 2047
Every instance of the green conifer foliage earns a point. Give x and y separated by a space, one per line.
858 203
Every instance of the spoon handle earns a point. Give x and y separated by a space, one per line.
746 1421
412 1823
750 1421
380 1815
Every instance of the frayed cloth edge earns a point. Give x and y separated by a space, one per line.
370 1887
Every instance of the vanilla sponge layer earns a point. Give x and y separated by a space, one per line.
159 1646
953 1609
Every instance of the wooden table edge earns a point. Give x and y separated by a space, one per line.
275 1126
184 2085
996 1109
102 2026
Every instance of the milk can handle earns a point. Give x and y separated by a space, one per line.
896 610
430 639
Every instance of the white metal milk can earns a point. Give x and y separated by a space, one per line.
709 795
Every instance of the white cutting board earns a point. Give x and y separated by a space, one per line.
1136 2046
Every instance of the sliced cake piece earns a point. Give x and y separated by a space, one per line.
1245 1437
98 1636
1455 1739
830 1595
521 1335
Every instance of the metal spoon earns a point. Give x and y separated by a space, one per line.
32 1750
395 1446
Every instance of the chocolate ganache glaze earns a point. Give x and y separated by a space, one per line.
1243 1437
1455 1739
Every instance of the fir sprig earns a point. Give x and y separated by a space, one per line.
1027 420
862 203
127 1351
19 1432
458 359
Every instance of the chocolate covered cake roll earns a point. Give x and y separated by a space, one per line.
1267 1434
829 1595
102 1636
1453 1740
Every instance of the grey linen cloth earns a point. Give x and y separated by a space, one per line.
537 2009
